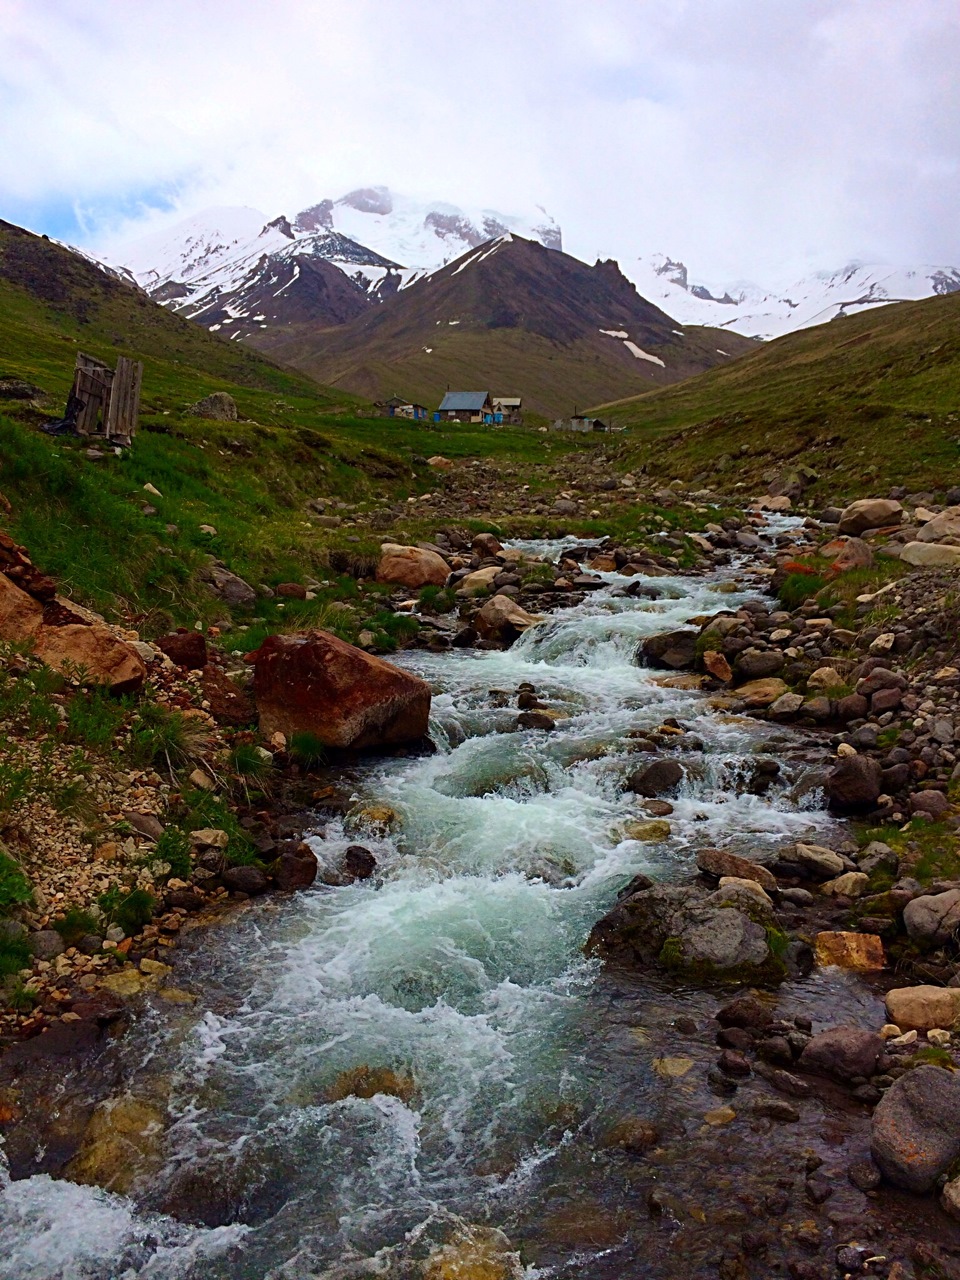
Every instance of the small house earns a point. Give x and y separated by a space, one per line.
396 407
508 409
465 406
580 423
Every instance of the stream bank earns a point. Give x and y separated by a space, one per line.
526 1107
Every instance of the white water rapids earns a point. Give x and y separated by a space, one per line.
460 964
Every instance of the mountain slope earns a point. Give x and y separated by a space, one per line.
867 401
237 273
770 313
516 318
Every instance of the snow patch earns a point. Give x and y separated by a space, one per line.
615 333
643 355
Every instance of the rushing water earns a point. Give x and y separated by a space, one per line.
460 966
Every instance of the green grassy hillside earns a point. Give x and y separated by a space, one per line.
139 557
867 401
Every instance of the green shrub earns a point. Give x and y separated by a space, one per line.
94 718
160 735
18 784
434 599
201 809
14 955
797 587
73 924
307 750
15 888
173 848
22 998
130 909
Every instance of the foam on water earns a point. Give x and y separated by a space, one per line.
461 966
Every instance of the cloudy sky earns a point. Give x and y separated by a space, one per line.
750 137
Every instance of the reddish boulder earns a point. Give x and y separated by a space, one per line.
229 704
853 785
311 682
187 649
94 649
296 868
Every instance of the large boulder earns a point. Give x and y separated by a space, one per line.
314 683
672 649
219 407
870 513
757 664
411 567
503 620
854 784
762 693
69 639
842 1052
479 580
930 555
683 930
942 527
847 554
922 1008
915 1133
933 919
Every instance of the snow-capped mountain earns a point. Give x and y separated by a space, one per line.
769 313
238 272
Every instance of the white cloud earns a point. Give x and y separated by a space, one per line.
747 136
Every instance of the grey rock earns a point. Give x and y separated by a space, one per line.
842 1052
933 918
756 664
854 784
46 944
672 649
220 407
249 880
230 587
915 1132
656 778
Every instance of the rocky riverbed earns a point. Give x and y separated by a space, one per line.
416 1070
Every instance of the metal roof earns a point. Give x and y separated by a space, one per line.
468 401
512 402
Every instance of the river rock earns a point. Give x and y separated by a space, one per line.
296 868
672 649
941 527
682 930
747 1012
934 918
45 944
817 861
847 554
923 1008
479 580
249 880
755 664
761 693
358 863
862 952
718 666
719 863
656 778
869 513
313 682
842 1052
852 884
411 567
502 619
915 1132
854 784
486 545
931 555
121 1146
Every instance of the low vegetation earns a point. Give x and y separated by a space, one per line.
866 401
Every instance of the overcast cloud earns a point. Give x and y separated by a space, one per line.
750 137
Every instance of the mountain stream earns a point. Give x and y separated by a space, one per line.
458 973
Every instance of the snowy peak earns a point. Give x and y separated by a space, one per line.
769 313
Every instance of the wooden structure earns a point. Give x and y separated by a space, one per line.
105 402
508 409
465 406
395 407
579 422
